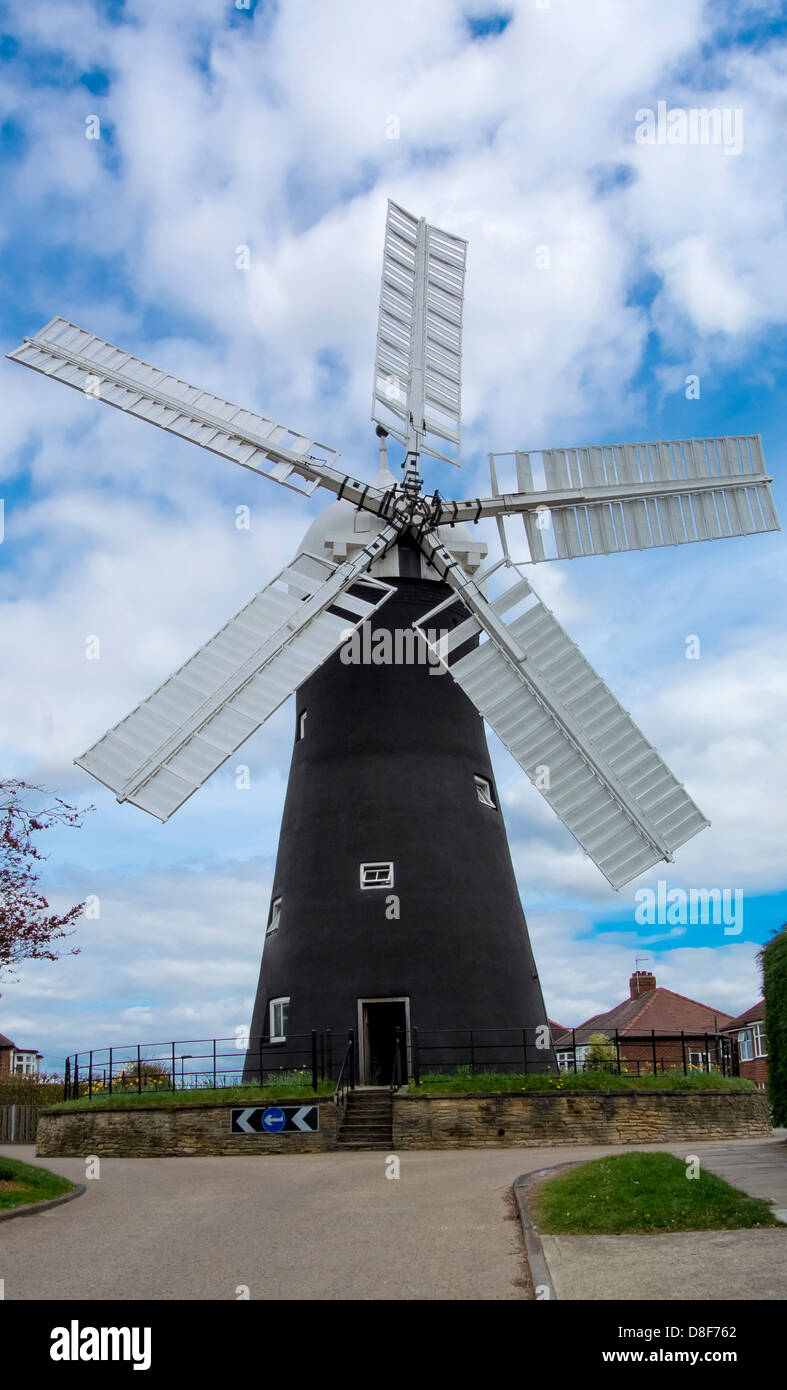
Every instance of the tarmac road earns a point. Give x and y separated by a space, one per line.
307 1226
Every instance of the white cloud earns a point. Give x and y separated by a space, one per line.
272 134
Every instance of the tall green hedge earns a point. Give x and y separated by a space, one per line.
773 957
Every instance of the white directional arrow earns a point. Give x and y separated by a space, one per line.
299 1118
242 1120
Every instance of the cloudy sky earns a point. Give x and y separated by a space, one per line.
283 128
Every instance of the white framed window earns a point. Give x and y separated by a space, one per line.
278 1011
275 916
700 1060
302 724
759 1041
745 1049
484 792
25 1064
377 875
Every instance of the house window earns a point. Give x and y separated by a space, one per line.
745 1049
278 1019
484 792
275 917
759 1041
700 1060
24 1064
377 875
302 723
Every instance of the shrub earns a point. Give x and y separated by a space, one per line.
773 958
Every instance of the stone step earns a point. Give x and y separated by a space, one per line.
351 1128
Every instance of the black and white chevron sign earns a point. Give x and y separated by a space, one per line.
275 1119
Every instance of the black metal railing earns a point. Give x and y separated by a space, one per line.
346 1079
528 1051
396 1069
298 1061
303 1060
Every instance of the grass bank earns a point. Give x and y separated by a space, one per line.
643 1192
21 1183
451 1084
223 1095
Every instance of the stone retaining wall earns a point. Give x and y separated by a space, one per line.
519 1119
176 1131
530 1119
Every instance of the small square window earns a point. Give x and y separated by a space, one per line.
275 917
484 792
279 1009
302 724
377 876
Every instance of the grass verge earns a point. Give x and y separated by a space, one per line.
204 1095
642 1192
21 1183
461 1082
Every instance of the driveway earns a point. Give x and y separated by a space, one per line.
308 1226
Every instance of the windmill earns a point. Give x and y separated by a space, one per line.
394 898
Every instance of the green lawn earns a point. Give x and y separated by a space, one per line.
453 1084
21 1183
642 1192
204 1095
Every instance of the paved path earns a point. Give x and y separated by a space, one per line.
316 1226
690 1265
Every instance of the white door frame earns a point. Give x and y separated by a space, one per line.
382 999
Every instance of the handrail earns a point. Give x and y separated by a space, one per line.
396 1070
346 1078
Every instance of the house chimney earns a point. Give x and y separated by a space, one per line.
641 982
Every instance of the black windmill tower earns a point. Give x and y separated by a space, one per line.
394 901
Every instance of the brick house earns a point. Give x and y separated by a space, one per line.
18 1061
649 1024
748 1029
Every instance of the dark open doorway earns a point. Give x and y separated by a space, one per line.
380 1019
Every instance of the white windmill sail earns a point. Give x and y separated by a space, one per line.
171 743
104 372
566 730
418 359
616 497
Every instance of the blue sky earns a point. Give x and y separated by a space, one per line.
268 128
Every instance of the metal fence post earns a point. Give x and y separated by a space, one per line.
139 1070
260 1049
617 1049
472 1055
76 1075
416 1058
67 1079
574 1048
524 1047
683 1052
314 1059
351 1039
653 1049
90 1077
172 1049
214 1064
110 1071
